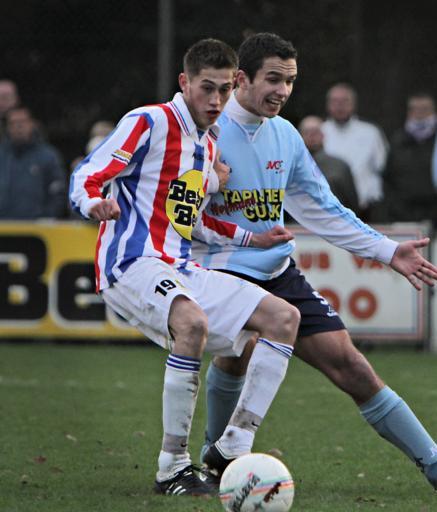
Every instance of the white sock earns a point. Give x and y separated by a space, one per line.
170 463
181 386
267 368
235 442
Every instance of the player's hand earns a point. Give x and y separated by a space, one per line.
274 236
408 261
222 170
107 209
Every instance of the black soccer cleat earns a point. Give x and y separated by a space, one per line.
216 461
210 477
186 482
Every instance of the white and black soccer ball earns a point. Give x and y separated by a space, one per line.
256 482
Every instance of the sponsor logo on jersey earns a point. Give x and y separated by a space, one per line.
264 204
184 198
122 156
275 165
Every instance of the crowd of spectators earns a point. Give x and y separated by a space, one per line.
381 180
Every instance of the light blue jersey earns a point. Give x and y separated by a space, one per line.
271 169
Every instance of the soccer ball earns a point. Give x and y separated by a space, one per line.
256 482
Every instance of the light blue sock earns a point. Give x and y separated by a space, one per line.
391 417
222 393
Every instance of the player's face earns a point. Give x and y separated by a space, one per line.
270 89
206 94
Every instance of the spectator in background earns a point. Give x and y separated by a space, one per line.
32 178
361 144
408 178
99 131
9 98
336 171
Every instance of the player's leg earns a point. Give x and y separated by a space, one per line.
225 374
224 382
324 343
334 354
349 370
151 297
277 323
189 328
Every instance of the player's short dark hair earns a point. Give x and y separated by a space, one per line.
263 45
209 53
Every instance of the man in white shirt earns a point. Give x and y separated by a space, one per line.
360 144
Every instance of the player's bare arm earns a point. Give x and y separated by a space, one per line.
107 209
408 261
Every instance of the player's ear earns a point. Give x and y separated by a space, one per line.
183 81
241 79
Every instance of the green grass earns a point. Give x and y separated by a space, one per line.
80 431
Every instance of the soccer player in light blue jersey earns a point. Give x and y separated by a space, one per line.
272 170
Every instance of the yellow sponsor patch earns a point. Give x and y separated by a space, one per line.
123 156
185 195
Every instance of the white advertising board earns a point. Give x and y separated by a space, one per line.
373 301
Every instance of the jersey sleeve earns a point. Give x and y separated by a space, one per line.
108 160
212 230
213 182
309 200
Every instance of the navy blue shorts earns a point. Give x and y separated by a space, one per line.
316 313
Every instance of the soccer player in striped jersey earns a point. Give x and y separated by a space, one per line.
158 163
273 170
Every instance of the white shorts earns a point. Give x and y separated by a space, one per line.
144 293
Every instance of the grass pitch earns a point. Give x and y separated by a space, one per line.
80 431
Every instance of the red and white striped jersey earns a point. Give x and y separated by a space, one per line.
157 165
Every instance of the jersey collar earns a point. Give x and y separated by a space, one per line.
240 114
183 116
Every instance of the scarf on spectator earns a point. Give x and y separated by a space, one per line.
421 129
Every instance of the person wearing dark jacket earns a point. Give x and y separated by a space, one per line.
408 181
32 177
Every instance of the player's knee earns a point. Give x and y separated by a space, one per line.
189 326
285 323
196 326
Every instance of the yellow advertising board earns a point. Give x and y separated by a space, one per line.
47 284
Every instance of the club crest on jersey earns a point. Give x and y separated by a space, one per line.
122 156
185 195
